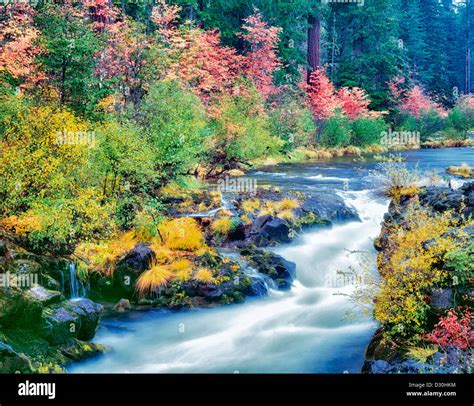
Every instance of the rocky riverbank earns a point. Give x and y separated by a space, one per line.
432 331
42 329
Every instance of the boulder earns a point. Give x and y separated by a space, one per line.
237 233
442 299
130 267
276 267
122 306
71 319
329 206
44 296
257 287
12 362
271 229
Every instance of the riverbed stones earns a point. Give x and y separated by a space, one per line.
282 271
12 362
132 265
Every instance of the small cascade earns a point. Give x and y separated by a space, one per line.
76 287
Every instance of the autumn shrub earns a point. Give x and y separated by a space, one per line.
34 164
102 256
454 329
65 222
411 265
367 131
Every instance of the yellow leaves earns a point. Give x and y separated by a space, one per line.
409 265
21 225
102 257
422 353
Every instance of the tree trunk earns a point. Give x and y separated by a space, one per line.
467 75
314 43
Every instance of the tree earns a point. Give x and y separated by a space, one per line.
261 60
18 36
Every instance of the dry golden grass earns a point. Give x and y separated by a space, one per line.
157 276
222 225
204 275
181 234
464 171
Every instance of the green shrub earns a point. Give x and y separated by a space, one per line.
336 132
293 124
461 264
241 129
176 126
367 131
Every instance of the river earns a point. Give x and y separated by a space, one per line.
305 330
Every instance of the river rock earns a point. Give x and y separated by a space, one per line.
123 306
44 296
71 319
257 287
442 299
135 262
329 206
12 362
276 267
268 229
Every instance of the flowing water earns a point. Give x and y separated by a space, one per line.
304 330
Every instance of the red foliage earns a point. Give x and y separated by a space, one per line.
165 16
199 59
322 99
412 101
101 12
19 50
261 62
354 102
453 330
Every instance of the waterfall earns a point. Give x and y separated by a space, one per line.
75 285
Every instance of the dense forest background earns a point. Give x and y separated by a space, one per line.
104 103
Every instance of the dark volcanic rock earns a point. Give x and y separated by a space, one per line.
442 299
329 206
270 229
276 267
71 319
11 362
130 267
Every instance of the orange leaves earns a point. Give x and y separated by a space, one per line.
261 61
18 38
